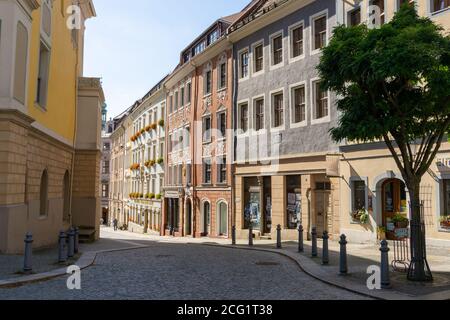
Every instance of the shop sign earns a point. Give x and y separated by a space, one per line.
402 233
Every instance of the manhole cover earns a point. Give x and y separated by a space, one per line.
267 263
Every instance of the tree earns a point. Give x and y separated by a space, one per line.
393 84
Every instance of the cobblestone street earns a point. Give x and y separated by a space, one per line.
185 271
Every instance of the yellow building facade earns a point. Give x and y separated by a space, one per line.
371 179
49 123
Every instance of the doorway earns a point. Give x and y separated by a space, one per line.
394 201
188 230
206 218
222 219
323 208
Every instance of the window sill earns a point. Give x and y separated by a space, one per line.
277 129
259 73
297 59
321 120
222 89
277 66
259 132
299 125
439 12
207 95
243 79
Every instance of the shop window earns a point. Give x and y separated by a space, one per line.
358 195
294 201
445 212
252 204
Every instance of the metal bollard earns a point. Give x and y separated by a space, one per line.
343 266
314 242
279 245
325 253
76 247
62 254
301 247
385 279
28 254
233 236
71 250
250 236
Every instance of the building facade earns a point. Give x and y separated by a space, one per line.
370 178
50 122
286 165
105 165
198 185
146 172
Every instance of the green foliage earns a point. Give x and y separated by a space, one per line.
391 80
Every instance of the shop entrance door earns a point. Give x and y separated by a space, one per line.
323 208
394 201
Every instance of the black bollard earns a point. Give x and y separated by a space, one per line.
62 253
279 245
301 247
28 254
250 236
314 242
233 236
71 250
343 267
385 277
325 251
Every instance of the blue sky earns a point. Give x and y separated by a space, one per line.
132 44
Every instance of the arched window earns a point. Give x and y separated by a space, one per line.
43 211
66 199
222 218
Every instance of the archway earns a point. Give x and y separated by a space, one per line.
222 218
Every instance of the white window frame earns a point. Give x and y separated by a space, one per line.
240 132
430 6
272 117
291 29
304 123
311 26
240 52
253 59
253 113
283 47
313 104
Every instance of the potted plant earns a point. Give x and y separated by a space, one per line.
161 123
445 222
160 161
400 221
158 196
381 231
148 128
360 216
154 126
142 131
151 196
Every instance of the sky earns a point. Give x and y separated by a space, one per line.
133 44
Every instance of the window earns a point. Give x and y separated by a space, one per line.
299 104
182 97
42 82
187 137
200 47
243 117
105 169
323 186
170 102
446 210
354 17
358 195
293 201
380 5
222 124
207 129
222 75
222 219
207 171
320 32
20 68
208 82
277 50
243 61
278 110
176 101
213 37
439 5
259 58
188 174
188 93
105 190
43 208
222 170
320 101
259 114
297 42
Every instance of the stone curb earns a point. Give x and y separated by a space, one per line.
311 269
86 260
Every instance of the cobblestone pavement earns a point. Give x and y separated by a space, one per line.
185 271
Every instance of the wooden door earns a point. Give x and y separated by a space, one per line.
323 210
394 201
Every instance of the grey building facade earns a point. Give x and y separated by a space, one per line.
286 164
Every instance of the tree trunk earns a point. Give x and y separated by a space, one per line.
419 270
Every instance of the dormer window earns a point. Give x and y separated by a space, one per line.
213 37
